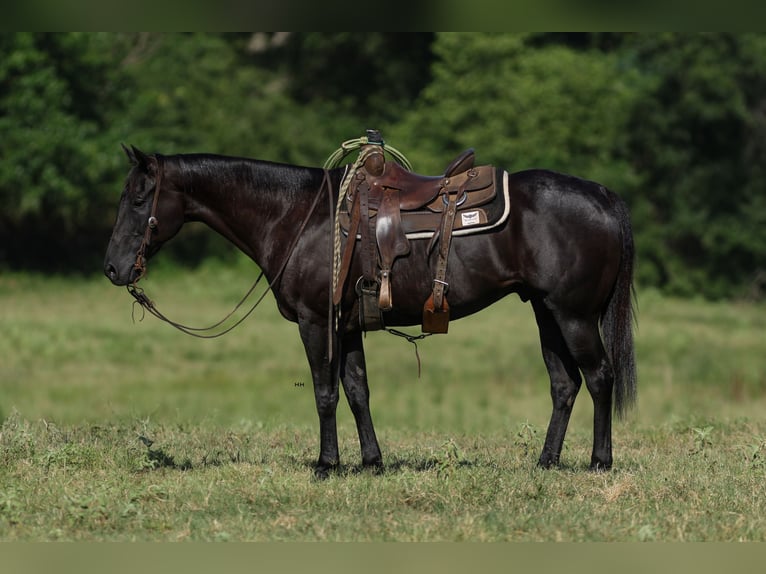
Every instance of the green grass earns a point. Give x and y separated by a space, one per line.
232 437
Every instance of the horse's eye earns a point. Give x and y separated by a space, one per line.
139 201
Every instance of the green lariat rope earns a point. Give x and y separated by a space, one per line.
348 146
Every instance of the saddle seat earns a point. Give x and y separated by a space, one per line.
416 191
421 199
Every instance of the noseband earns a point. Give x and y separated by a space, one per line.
151 225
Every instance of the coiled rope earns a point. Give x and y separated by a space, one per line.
334 161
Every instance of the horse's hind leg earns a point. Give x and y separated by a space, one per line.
353 373
584 342
565 382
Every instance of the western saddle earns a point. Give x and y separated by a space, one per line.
385 204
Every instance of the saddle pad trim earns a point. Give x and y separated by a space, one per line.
478 228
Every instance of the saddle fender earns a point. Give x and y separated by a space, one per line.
392 242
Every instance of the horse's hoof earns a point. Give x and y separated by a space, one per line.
375 467
322 471
547 461
599 466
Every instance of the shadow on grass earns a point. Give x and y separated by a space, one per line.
398 466
428 465
160 459
351 469
157 458
440 463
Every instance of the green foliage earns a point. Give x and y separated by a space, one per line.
369 75
55 95
194 92
702 440
521 106
673 122
698 140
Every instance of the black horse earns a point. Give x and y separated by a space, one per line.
567 247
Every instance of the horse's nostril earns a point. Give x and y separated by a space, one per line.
110 271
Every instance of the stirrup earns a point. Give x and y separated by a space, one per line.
370 318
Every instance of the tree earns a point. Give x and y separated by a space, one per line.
56 93
697 137
674 123
372 76
523 106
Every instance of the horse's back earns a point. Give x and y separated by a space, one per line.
561 194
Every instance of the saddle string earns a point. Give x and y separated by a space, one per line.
410 339
146 303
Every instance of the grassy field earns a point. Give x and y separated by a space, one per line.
115 430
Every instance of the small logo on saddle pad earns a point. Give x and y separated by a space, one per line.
470 218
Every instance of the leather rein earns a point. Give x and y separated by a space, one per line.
203 332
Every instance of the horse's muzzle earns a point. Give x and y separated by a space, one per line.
115 277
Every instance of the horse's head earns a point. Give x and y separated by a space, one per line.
150 212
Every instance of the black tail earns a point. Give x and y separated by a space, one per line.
617 321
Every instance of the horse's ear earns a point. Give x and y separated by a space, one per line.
140 159
129 153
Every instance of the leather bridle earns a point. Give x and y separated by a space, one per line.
204 332
151 225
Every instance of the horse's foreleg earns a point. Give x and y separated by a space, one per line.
353 373
565 382
325 379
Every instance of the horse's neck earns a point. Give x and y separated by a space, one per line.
248 202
